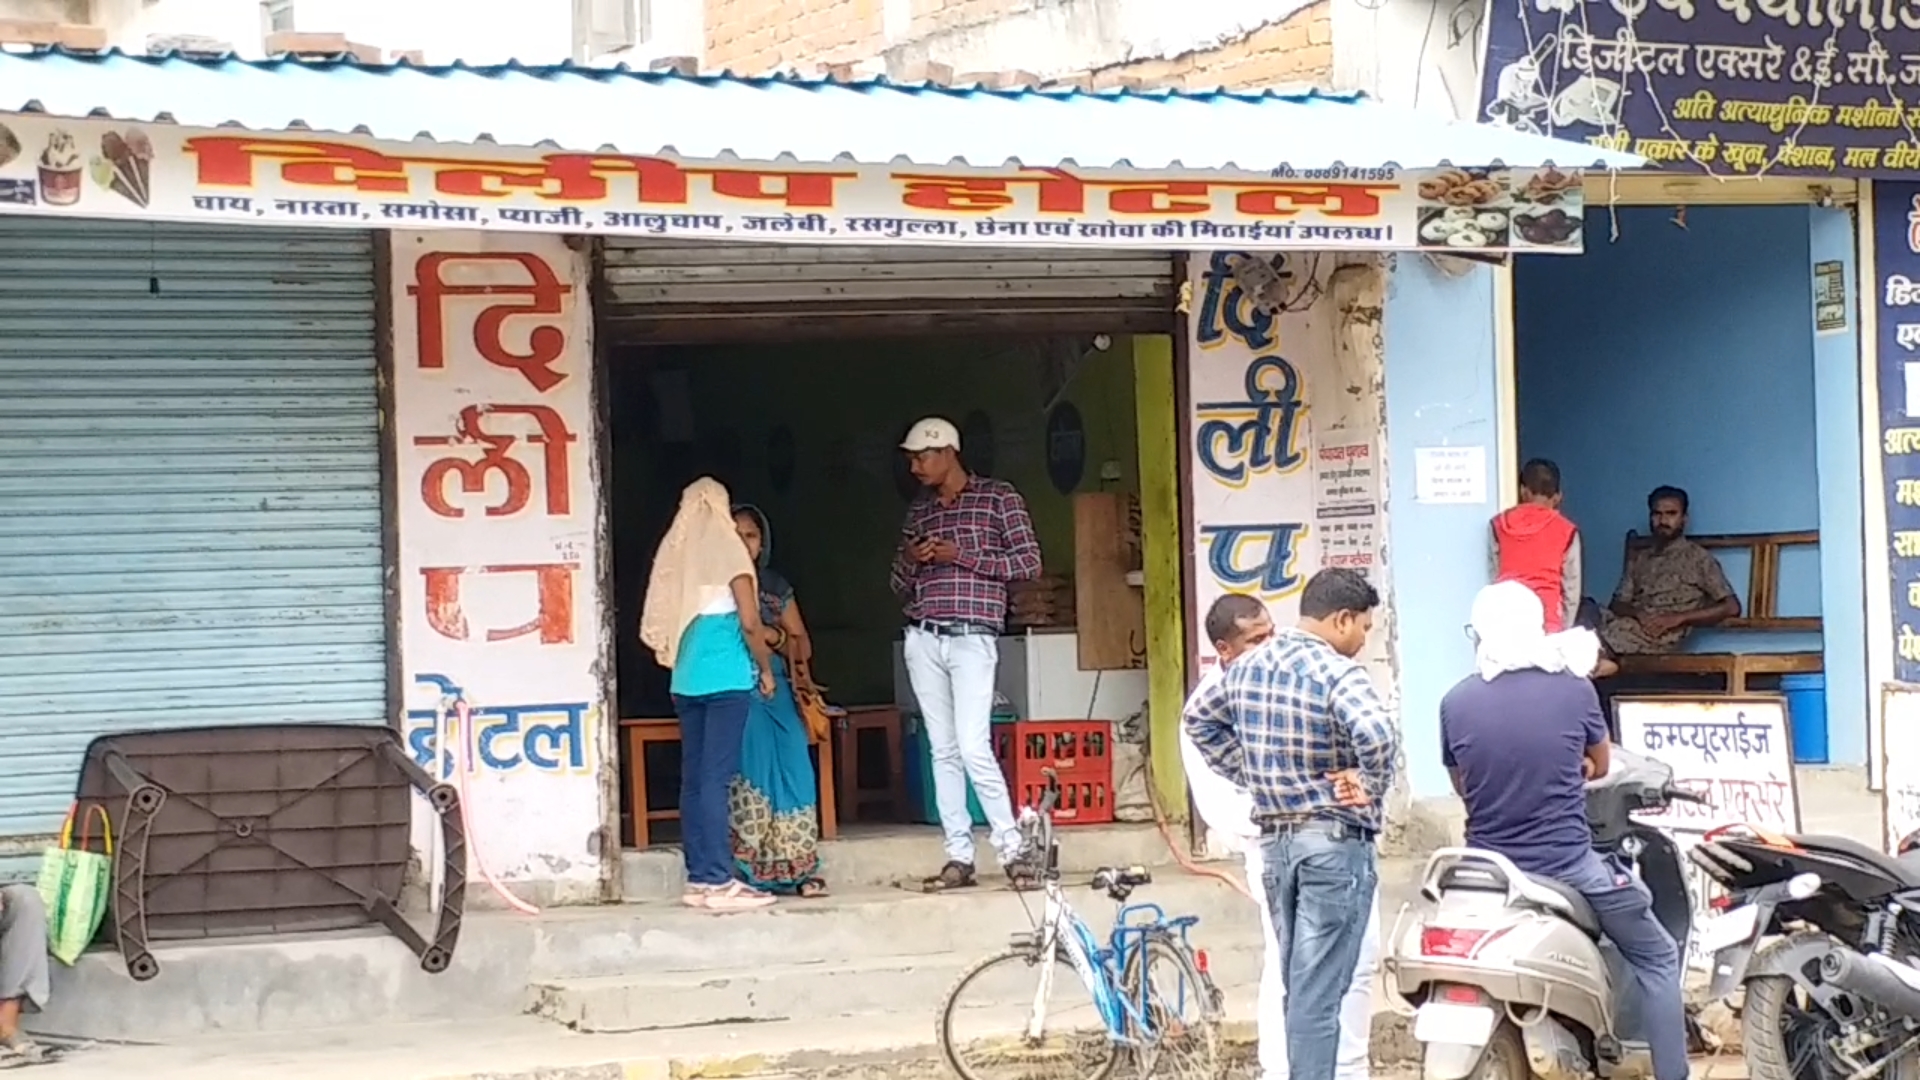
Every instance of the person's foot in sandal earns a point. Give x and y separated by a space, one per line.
738 896
812 889
954 875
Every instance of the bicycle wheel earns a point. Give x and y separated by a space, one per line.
1182 1008
983 1022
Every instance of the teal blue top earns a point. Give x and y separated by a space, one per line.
713 657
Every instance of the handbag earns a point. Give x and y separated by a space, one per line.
811 699
74 884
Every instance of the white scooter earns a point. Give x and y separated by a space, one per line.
1508 974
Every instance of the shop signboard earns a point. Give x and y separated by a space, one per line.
1735 751
1728 87
1274 498
1896 235
501 640
159 172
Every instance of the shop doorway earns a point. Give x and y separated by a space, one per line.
1683 350
793 385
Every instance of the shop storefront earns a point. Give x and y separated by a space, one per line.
549 324
1716 336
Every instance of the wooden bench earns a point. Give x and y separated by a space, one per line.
640 734
1760 613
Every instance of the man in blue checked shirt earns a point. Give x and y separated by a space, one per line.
1298 724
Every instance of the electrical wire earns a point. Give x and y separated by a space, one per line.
461 727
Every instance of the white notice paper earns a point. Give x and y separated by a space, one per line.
1911 371
1450 474
1900 745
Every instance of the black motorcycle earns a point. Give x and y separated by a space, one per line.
1824 934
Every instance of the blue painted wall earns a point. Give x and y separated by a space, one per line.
1439 359
1678 356
1687 356
1836 402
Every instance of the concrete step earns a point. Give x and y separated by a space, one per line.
810 992
300 982
663 936
874 856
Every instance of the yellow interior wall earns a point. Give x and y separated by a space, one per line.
1159 457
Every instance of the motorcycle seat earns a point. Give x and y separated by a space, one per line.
1578 911
1904 869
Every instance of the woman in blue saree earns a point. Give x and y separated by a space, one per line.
775 799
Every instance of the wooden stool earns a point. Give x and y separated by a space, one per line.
640 734
884 719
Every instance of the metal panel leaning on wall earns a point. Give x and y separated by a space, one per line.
189 491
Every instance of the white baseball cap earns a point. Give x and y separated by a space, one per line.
932 433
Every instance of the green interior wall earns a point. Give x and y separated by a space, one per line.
847 404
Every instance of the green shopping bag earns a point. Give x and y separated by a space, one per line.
74 884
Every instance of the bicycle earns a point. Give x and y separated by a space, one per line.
1131 1016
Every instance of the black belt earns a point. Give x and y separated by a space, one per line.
953 629
1339 830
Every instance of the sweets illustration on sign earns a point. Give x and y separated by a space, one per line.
1466 208
60 169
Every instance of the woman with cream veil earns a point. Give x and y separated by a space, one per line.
701 618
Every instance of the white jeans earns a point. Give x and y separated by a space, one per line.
953 678
1356 1011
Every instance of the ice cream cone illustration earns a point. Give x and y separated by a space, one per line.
125 166
60 170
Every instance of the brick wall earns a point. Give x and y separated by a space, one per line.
1296 51
758 37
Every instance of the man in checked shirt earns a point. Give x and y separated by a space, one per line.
965 538
1297 723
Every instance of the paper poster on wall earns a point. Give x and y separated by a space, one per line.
1829 297
1450 475
1900 762
1346 500
1735 751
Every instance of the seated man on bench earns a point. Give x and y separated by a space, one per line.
1669 589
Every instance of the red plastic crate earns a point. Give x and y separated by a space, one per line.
1080 752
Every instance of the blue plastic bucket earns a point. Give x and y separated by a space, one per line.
1807 713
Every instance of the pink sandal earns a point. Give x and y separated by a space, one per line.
736 896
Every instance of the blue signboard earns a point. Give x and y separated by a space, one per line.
1896 232
1729 87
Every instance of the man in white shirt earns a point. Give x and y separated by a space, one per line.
1238 624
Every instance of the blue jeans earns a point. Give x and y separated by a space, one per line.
1320 879
1625 910
711 726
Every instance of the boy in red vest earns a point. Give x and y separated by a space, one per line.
1535 545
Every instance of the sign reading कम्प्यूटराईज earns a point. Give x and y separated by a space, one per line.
160 172
1896 235
1730 87
1735 751
501 638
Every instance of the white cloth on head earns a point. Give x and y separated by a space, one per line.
1510 634
694 570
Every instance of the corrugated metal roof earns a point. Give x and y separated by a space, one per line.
766 119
